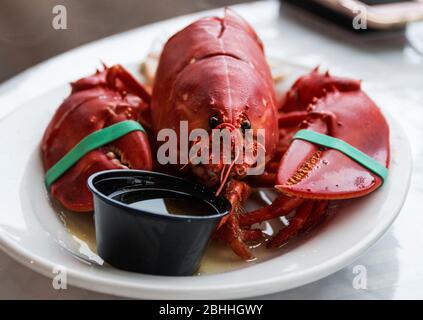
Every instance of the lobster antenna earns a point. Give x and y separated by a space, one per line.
226 175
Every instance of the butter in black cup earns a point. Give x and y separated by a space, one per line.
144 241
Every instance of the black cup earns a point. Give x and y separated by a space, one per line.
136 240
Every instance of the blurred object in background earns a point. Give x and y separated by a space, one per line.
27 35
365 15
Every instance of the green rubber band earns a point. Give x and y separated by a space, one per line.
89 143
347 149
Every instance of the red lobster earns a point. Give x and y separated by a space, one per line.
213 74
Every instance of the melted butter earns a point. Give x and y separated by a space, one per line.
219 258
80 226
152 200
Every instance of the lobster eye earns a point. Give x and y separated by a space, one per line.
245 124
214 121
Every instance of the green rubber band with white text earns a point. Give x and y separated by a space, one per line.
91 142
347 149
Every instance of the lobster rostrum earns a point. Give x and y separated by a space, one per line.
213 75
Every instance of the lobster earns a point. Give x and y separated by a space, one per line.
213 74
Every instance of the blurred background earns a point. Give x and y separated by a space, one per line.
27 36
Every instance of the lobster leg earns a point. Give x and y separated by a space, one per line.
280 207
307 216
319 211
309 213
232 234
295 225
249 235
229 230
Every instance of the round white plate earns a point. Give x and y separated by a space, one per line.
33 232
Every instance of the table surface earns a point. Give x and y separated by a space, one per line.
27 36
391 66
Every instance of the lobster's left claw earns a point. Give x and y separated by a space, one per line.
311 171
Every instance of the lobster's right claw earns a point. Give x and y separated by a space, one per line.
96 102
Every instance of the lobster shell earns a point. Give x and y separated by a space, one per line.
215 65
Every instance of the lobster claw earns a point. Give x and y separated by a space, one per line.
311 171
314 86
96 102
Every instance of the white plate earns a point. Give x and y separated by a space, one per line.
32 232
